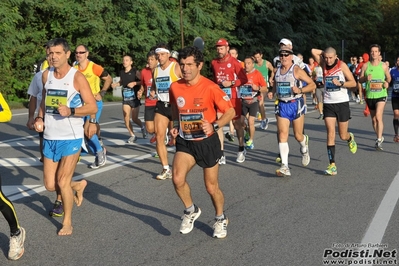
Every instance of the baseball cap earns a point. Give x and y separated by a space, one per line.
222 42
285 42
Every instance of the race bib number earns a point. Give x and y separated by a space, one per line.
376 85
128 94
395 86
163 84
284 89
54 98
246 92
191 126
330 86
227 91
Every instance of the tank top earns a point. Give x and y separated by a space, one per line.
264 71
333 93
395 82
284 84
62 91
92 78
374 89
163 79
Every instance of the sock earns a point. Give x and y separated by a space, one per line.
190 209
220 217
395 125
331 153
303 144
16 233
166 167
240 148
284 150
350 138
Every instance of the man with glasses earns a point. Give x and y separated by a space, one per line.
290 107
94 73
163 76
377 78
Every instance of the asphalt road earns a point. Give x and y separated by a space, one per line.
130 218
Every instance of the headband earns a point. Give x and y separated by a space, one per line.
160 50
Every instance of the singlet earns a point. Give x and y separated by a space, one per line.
333 93
284 84
247 94
195 103
5 111
374 88
36 88
62 91
228 70
263 70
92 74
128 94
395 82
146 82
163 79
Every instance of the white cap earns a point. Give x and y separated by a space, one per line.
285 42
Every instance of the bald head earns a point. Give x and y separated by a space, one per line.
330 50
330 56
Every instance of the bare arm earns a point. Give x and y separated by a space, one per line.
303 76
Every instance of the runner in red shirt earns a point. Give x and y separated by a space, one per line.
229 74
194 100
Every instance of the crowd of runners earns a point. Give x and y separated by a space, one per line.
182 108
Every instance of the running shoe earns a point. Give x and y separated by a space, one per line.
188 218
249 144
222 160
361 102
305 155
396 138
378 144
165 174
132 139
278 159
229 136
331 170
17 245
264 124
259 116
283 171
171 141
58 209
352 144
101 142
321 117
101 159
153 138
144 132
166 139
241 156
155 155
220 228
366 111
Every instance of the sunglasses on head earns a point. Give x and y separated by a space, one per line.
284 54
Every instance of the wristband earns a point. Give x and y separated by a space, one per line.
215 126
176 123
39 117
72 111
93 121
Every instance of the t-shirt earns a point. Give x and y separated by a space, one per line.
195 103
128 93
146 82
248 95
5 111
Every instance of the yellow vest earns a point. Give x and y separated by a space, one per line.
93 79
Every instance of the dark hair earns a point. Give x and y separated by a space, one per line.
250 57
375 45
258 51
59 41
163 45
233 48
151 53
129 55
191 51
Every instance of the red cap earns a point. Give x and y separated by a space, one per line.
222 42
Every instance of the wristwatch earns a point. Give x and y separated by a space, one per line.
342 83
215 126
93 121
233 83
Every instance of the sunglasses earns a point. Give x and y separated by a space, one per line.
284 55
80 52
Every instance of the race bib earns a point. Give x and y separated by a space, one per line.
191 126
284 89
330 86
128 94
395 86
246 92
227 91
54 98
376 85
162 84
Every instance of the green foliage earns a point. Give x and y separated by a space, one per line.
112 28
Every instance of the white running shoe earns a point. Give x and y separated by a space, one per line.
283 171
241 156
222 160
187 224
305 155
165 174
220 228
17 245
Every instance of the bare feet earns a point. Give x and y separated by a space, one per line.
66 230
79 192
